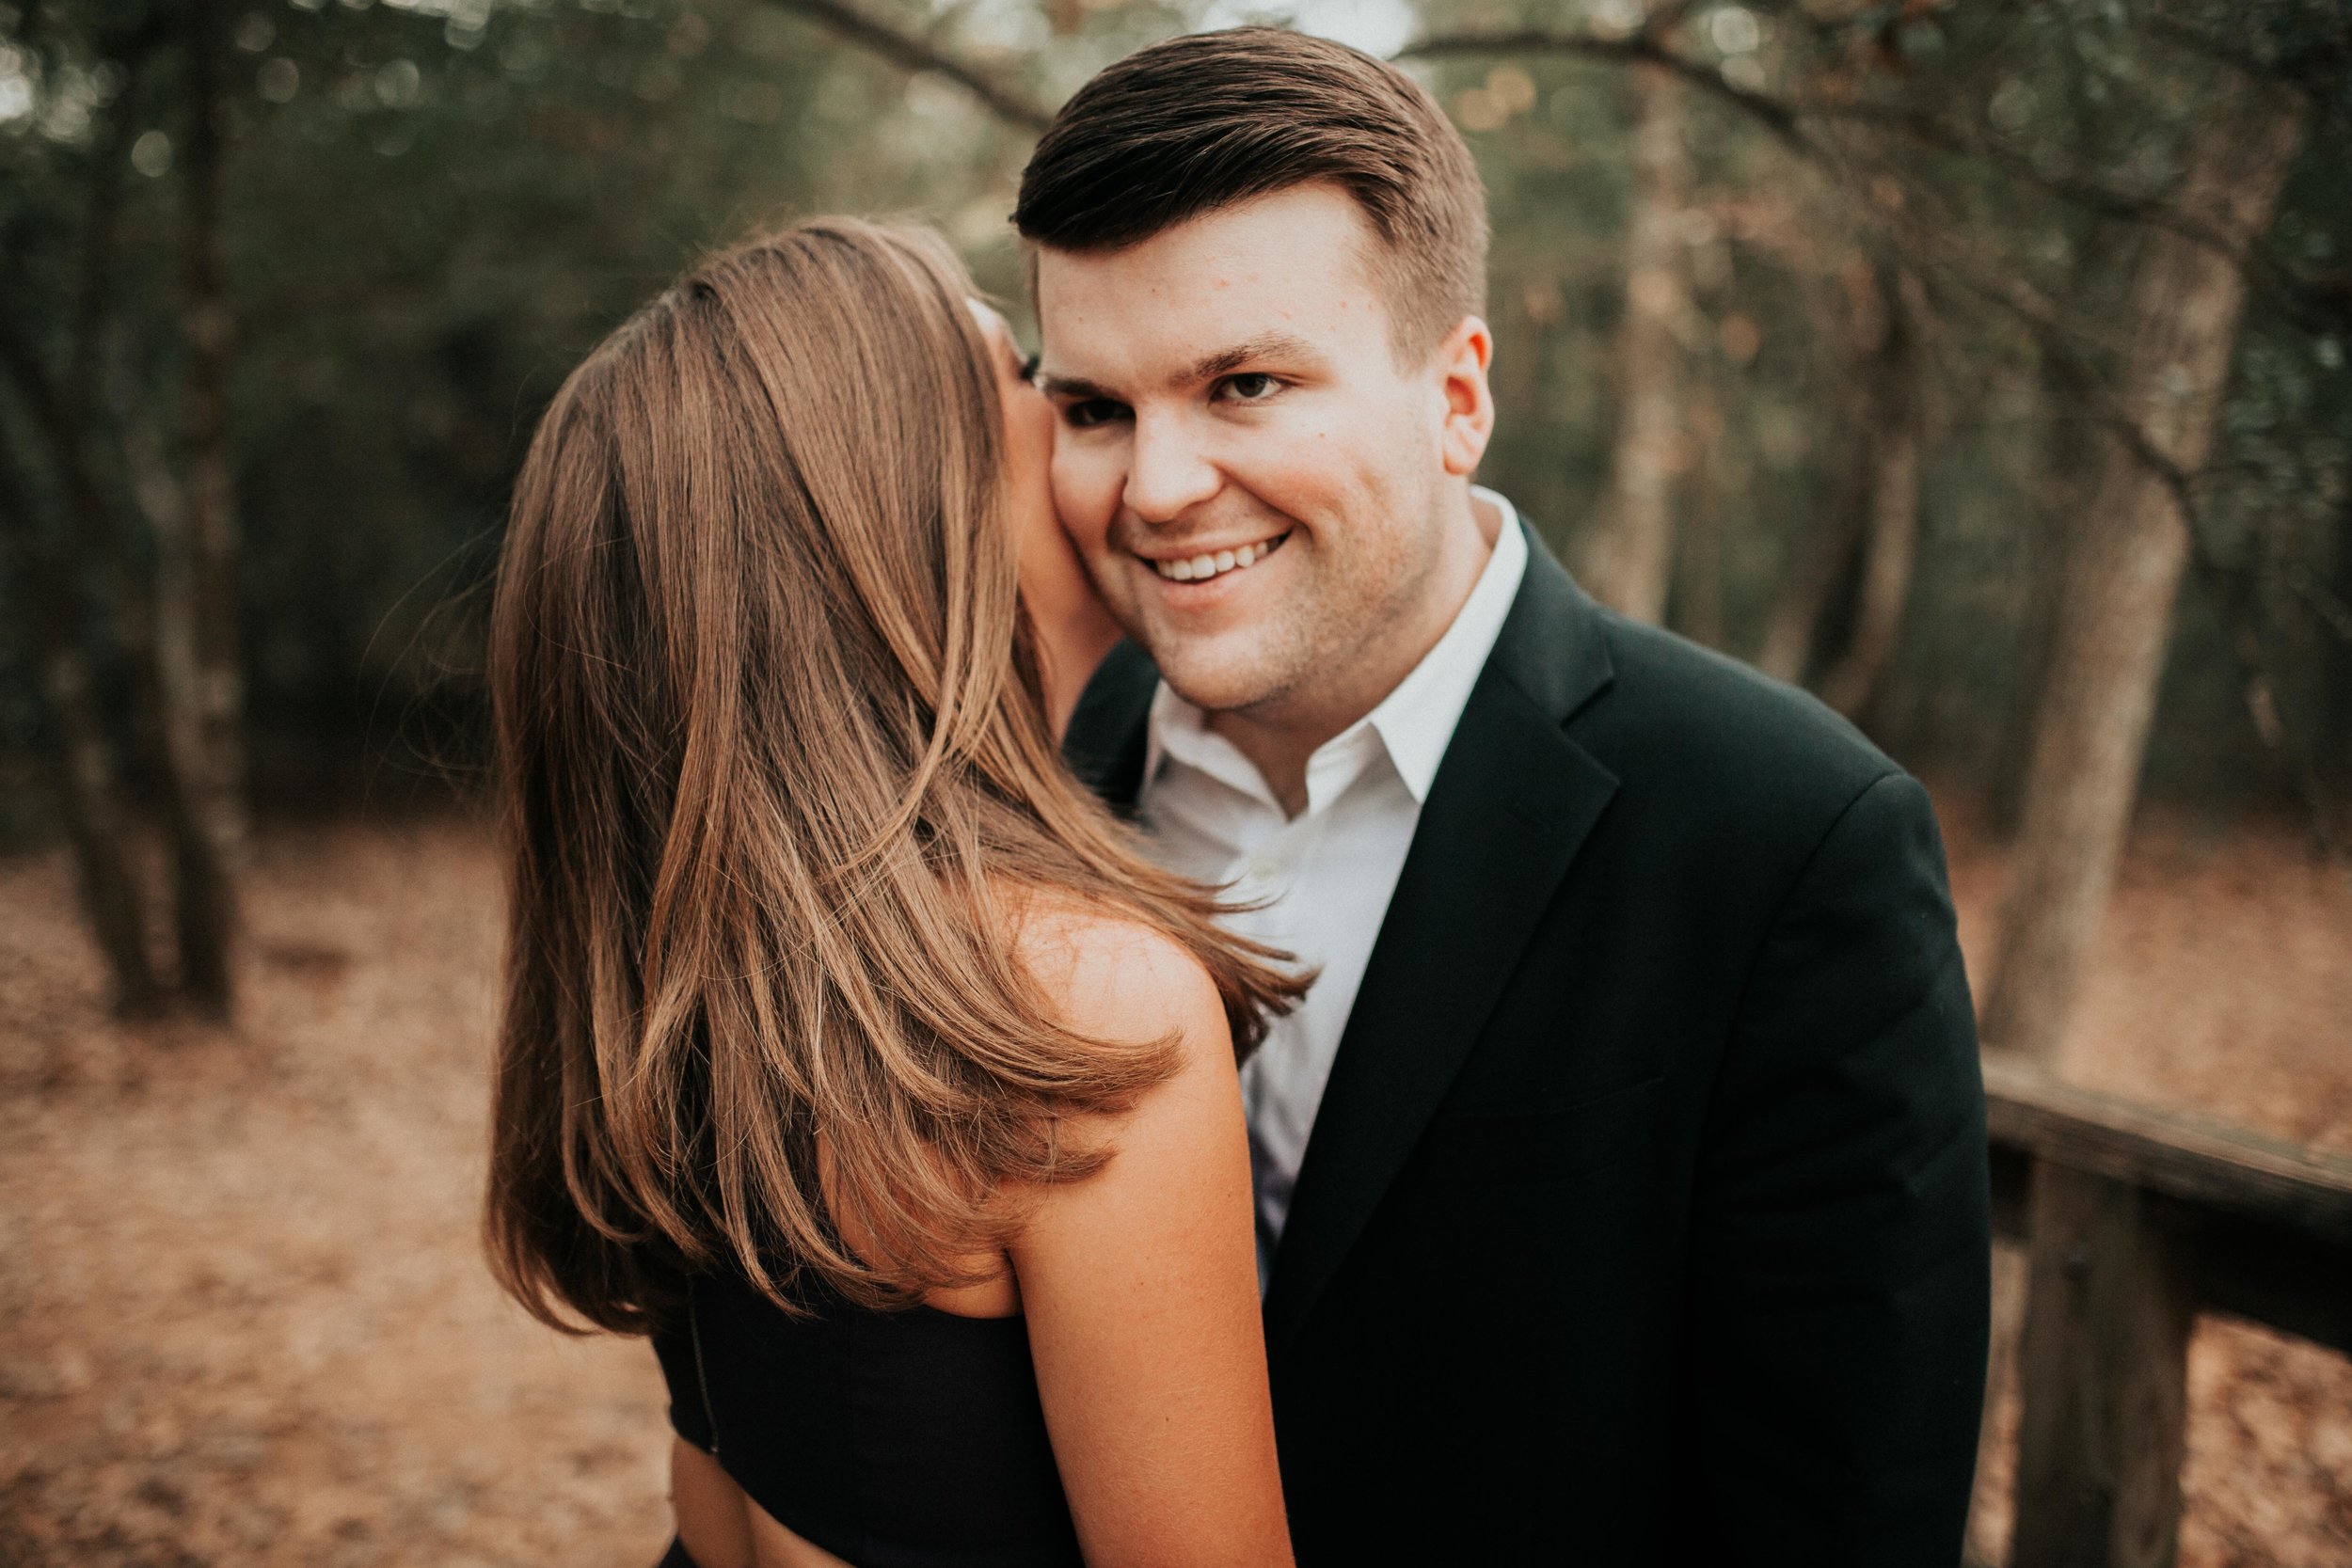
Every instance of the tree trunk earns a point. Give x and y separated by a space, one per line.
1794 631
64 429
1894 435
49 574
2335 736
2070 448
196 589
1698 594
1839 609
2298 667
81 764
1630 565
203 884
2116 605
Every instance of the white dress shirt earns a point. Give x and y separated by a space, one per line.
1323 878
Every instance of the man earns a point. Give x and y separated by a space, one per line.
1622 1182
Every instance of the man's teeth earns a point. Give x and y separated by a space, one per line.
1201 566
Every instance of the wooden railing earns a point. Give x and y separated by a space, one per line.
2136 1220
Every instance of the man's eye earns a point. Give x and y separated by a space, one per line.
1251 386
1088 412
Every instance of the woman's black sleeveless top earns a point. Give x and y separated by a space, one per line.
907 1439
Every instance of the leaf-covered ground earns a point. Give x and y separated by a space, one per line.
244 1318
2221 985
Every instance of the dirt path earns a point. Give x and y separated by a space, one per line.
243 1321
243 1318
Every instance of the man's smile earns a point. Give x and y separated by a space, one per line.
1206 565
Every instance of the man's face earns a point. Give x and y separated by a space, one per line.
1255 483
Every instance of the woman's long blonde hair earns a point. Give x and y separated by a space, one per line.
778 786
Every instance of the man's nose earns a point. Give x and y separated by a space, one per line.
1168 472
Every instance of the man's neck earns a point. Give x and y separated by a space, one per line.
1281 740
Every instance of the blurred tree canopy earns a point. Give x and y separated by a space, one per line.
1815 312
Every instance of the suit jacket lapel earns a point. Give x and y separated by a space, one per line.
1511 804
1109 730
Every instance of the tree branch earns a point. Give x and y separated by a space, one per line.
1644 48
2314 69
2093 197
1787 119
912 52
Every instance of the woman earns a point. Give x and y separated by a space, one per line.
850 1049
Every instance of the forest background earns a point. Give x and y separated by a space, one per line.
1980 365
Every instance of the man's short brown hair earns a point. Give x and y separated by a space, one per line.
1203 122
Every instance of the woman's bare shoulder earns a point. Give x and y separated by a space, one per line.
1140 1281
1112 976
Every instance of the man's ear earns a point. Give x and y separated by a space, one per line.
1461 363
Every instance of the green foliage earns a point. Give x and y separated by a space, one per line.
436 207
2016 155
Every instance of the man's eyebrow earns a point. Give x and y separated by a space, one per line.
1072 387
1265 345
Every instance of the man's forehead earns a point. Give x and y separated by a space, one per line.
1295 262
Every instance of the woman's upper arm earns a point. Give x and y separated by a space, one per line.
1140 1288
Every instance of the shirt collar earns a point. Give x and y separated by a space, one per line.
1413 723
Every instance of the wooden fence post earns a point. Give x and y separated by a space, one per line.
2104 1368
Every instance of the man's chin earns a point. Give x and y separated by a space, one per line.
1215 681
